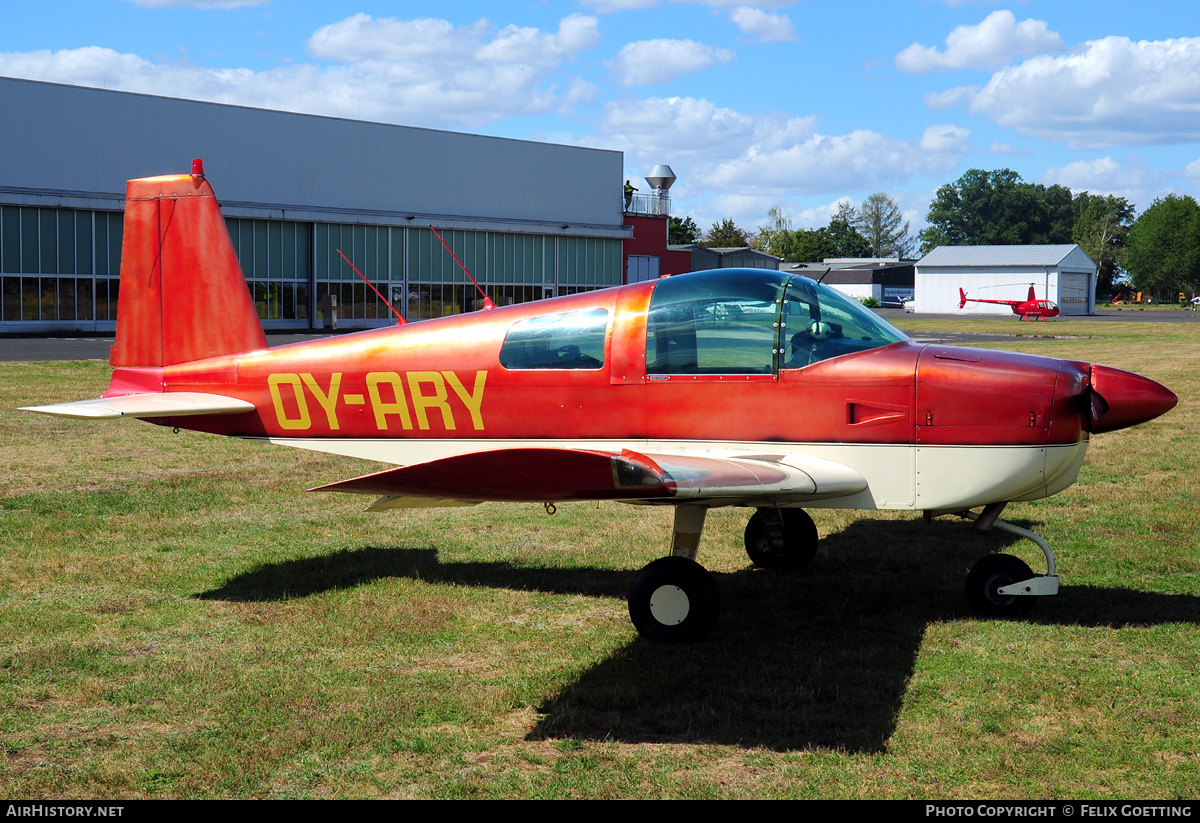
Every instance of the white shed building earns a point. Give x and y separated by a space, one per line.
1061 273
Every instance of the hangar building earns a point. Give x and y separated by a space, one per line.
529 220
1061 273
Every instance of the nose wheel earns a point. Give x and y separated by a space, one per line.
988 577
1004 586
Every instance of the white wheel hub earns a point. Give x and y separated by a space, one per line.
669 605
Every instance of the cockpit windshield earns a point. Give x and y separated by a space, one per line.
754 321
820 322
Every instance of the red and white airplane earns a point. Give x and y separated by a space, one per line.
1028 309
731 387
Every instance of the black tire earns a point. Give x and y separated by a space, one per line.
799 545
674 600
992 573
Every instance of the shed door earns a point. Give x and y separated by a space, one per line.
1073 293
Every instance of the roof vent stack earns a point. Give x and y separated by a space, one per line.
661 175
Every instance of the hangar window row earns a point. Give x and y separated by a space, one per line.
62 265
410 267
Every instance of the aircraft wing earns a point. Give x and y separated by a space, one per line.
557 474
156 404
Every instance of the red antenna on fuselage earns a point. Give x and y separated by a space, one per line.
488 305
400 321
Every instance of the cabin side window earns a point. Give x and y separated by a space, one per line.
720 322
574 340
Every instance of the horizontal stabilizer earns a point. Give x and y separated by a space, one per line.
171 404
557 475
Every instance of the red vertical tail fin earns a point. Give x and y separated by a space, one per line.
962 298
183 296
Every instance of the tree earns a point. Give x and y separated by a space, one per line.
838 239
776 237
847 213
726 235
997 208
1162 251
1101 227
682 232
845 240
879 221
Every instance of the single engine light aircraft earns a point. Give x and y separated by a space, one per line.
730 387
1028 309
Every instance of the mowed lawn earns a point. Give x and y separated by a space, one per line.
180 618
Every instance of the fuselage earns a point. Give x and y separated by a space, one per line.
697 370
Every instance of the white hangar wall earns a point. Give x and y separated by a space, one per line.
1063 274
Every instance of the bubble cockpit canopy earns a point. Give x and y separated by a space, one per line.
754 321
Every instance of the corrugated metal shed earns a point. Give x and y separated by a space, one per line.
742 257
1061 273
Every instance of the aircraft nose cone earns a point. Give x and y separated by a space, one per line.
1128 399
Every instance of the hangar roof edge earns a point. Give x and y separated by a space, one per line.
1047 255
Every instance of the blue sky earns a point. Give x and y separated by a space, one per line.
797 104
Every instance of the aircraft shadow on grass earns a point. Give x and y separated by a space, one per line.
818 658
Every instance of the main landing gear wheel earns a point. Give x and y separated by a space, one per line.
992 573
673 600
788 543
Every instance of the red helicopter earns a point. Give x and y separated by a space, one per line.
730 387
1028 309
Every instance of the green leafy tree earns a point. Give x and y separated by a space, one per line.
1102 224
776 237
846 240
998 208
1162 251
726 235
682 232
810 245
838 239
882 223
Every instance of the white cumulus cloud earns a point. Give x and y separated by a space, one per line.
647 62
660 127
988 45
1109 92
859 160
609 6
201 4
423 72
721 150
361 37
767 27
1105 175
1192 172
950 97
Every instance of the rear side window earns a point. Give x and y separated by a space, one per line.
574 340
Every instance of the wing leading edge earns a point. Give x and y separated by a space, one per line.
169 404
559 475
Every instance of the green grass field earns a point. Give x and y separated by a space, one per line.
179 618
